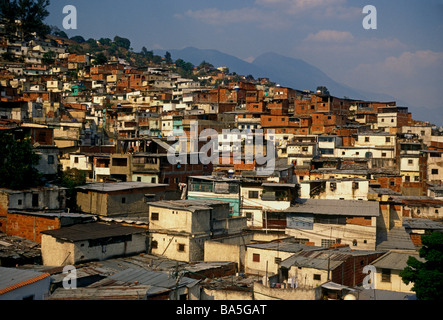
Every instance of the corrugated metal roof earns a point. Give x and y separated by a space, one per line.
417 223
93 230
151 278
396 238
188 205
119 186
337 207
310 262
105 293
11 278
284 246
394 260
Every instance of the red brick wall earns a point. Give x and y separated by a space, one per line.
416 239
350 273
360 221
29 226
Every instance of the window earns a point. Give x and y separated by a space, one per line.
317 276
253 194
366 139
383 154
355 185
139 179
354 242
181 247
249 216
154 216
416 178
123 200
19 202
407 178
75 159
326 243
50 159
255 257
385 275
410 161
388 139
277 260
392 183
434 171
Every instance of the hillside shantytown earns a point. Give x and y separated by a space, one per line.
355 184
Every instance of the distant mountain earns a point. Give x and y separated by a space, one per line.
287 72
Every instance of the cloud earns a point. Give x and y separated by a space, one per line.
275 14
331 36
413 77
336 9
300 5
217 17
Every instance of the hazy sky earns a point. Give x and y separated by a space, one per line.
403 57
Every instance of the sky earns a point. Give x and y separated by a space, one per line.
403 57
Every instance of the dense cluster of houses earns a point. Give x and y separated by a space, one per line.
354 183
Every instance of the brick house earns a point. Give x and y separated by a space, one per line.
29 225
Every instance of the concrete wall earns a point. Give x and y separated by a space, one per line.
228 249
179 220
266 263
56 252
262 292
395 284
123 203
226 294
356 229
178 247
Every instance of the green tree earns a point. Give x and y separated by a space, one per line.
30 13
122 42
427 276
100 59
71 179
105 41
58 33
49 57
168 58
8 56
78 39
17 163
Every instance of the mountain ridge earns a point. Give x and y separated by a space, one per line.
286 71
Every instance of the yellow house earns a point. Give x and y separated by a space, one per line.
388 268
